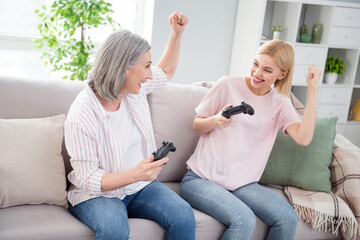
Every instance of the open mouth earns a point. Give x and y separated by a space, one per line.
257 80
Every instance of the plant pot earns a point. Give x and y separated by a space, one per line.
330 78
276 35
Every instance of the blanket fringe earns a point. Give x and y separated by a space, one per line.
320 221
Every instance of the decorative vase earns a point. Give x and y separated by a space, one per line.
317 33
356 110
304 29
276 35
305 38
330 77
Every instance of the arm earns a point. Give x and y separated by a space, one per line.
146 170
169 60
90 176
204 125
302 132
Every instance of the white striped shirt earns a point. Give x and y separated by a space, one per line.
93 148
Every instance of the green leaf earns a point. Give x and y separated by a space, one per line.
66 17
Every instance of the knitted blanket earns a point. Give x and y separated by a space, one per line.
339 210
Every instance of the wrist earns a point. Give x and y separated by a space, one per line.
175 34
312 93
216 121
133 175
312 89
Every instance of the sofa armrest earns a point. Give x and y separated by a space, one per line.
345 173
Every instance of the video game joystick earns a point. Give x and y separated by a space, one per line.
164 150
242 108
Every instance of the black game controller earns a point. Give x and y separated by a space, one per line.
242 108
164 150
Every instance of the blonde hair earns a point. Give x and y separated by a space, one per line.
283 55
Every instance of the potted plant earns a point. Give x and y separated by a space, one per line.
277 29
63 27
334 66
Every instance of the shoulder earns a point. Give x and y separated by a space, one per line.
281 102
80 109
276 96
228 82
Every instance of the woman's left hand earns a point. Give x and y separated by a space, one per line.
313 76
177 22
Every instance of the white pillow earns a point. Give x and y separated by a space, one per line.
31 165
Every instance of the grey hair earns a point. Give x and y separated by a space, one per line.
120 51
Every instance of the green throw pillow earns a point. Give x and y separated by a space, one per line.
305 167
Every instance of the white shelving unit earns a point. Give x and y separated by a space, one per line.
341 37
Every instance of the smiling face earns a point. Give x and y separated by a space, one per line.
264 73
138 74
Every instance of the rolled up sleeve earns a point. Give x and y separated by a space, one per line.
84 160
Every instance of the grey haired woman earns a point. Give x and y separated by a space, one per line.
109 136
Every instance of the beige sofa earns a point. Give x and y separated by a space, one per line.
172 110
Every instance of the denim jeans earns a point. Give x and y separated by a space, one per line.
237 209
109 216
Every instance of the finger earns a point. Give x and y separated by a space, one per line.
171 20
159 162
184 20
162 161
172 17
151 158
180 18
310 71
176 18
226 107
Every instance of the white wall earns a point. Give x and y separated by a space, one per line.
207 41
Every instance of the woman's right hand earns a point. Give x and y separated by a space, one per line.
148 170
221 120
204 125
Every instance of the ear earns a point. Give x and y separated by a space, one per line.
283 75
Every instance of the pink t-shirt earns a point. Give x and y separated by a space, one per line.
237 155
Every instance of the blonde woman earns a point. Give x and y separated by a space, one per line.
231 154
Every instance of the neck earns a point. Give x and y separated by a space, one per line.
256 91
110 106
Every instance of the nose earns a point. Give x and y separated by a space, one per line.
149 74
257 72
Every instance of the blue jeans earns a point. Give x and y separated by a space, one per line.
109 216
237 209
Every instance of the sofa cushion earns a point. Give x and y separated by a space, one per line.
306 167
173 111
31 166
42 222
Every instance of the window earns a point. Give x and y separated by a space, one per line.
19 58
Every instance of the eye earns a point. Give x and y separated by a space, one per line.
256 64
268 71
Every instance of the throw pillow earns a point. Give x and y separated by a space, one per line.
31 165
305 167
173 112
